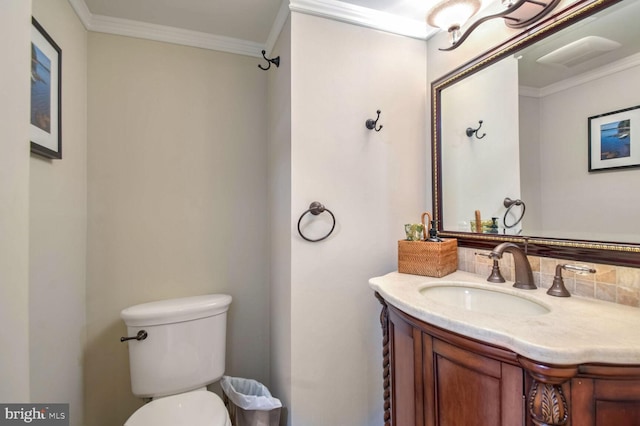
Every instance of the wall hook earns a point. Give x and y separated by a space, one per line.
471 132
371 124
275 61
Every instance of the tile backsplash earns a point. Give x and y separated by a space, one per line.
617 284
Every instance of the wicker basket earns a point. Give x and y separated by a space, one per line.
428 258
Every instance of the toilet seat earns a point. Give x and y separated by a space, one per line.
195 408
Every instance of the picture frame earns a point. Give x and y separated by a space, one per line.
46 94
614 140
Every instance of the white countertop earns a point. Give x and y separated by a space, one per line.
576 330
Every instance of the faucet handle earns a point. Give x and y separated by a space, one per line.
496 276
557 288
580 269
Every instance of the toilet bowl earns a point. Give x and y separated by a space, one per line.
177 348
199 407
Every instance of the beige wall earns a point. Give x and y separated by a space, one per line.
374 183
280 217
58 229
15 36
177 201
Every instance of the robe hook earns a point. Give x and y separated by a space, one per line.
471 132
371 124
275 61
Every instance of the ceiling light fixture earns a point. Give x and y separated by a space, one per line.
451 15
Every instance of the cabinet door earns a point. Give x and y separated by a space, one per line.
406 368
599 402
468 389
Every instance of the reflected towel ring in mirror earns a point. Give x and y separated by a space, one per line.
315 209
509 203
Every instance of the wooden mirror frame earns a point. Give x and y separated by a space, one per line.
624 254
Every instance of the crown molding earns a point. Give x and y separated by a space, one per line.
137 29
363 16
125 27
331 9
83 12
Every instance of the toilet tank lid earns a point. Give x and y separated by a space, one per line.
176 310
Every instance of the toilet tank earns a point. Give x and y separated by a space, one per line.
185 344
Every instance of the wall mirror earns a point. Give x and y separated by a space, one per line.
554 101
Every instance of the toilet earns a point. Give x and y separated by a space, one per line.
177 348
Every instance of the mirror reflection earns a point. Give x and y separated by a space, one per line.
544 110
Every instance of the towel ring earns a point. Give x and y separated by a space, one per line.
509 203
315 209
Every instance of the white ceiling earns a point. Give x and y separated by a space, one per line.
243 26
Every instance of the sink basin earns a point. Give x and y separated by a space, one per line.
483 301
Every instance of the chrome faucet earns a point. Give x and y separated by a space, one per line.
524 275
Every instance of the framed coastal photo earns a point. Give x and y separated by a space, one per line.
46 71
614 140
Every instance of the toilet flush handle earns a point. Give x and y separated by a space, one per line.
140 336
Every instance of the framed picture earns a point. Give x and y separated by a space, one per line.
46 71
614 140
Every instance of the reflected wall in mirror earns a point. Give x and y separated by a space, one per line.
535 95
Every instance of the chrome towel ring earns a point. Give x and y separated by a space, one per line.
315 209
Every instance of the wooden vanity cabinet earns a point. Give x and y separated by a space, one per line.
435 380
433 377
606 402
491 391
403 379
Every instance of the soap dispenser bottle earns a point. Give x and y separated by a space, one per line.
433 233
493 229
